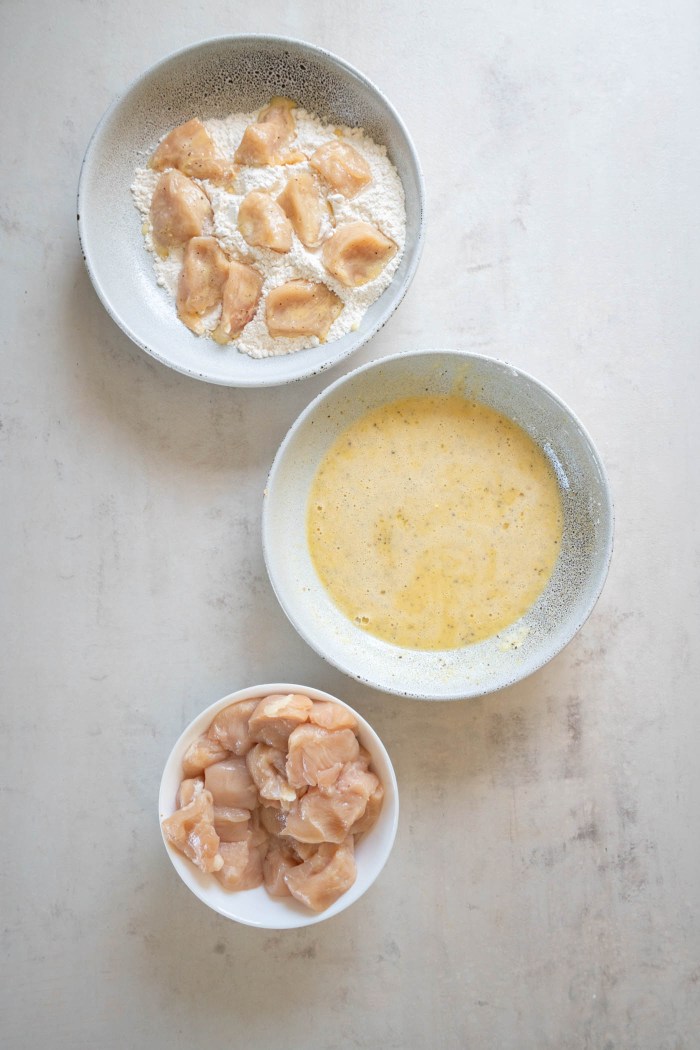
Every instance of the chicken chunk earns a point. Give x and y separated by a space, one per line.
241 297
188 790
266 766
371 813
242 864
317 755
230 727
324 817
190 149
276 716
345 170
305 207
324 877
230 784
191 830
357 253
301 308
179 211
231 823
273 819
277 863
263 224
200 754
201 284
264 141
331 716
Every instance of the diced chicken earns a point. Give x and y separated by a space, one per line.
357 253
302 850
324 817
179 211
230 727
317 755
276 716
278 112
201 284
371 814
188 790
190 149
331 716
273 819
301 308
305 207
242 864
231 823
264 141
263 224
324 877
191 830
266 766
345 170
356 779
230 784
200 754
277 863
241 297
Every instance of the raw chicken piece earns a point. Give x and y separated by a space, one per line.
317 755
200 754
266 767
276 716
230 784
272 819
371 814
263 224
277 863
324 877
304 205
230 727
302 850
331 716
188 790
242 864
355 779
241 298
179 211
190 149
357 253
301 308
278 112
231 823
201 284
324 817
345 170
191 830
264 140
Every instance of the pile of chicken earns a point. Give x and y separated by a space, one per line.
354 253
276 792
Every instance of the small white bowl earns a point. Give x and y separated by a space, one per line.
213 79
256 907
545 628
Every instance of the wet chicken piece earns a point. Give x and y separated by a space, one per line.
324 877
357 253
344 169
179 211
273 819
230 727
301 308
331 716
241 297
317 755
371 813
263 224
242 864
231 823
264 141
191 830
201 284
277 863
188 789
230 784
305 207
266 766
201 753
324 817
276 716
190 149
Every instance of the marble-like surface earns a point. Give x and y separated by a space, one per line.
544 891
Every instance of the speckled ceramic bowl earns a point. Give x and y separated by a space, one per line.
557 614
213 79
257 907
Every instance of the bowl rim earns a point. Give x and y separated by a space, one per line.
193 372
338 661
165 807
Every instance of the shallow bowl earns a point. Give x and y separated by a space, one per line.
256 907
546 627
213 79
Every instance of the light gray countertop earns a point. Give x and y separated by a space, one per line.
544 889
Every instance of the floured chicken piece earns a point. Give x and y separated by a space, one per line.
200 754
331 716
201 284
191 830
230 727
241 297
317 755
345 170
305 207
324 877
190 149
276 716
277 863
266 766
179 211
231 823
263 224
301 308
357 253
230 784
264 141
242 864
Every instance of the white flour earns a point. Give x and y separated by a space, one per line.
381 203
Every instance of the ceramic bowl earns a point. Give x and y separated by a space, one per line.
256 907
213 79
547 626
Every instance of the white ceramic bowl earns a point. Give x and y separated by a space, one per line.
212 79
257 907
547 626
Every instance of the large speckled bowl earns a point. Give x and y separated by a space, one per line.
557 614
213 79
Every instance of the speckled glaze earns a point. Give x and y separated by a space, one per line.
549 624
212 79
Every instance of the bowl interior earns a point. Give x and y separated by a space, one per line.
256 907
518 650
213 79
